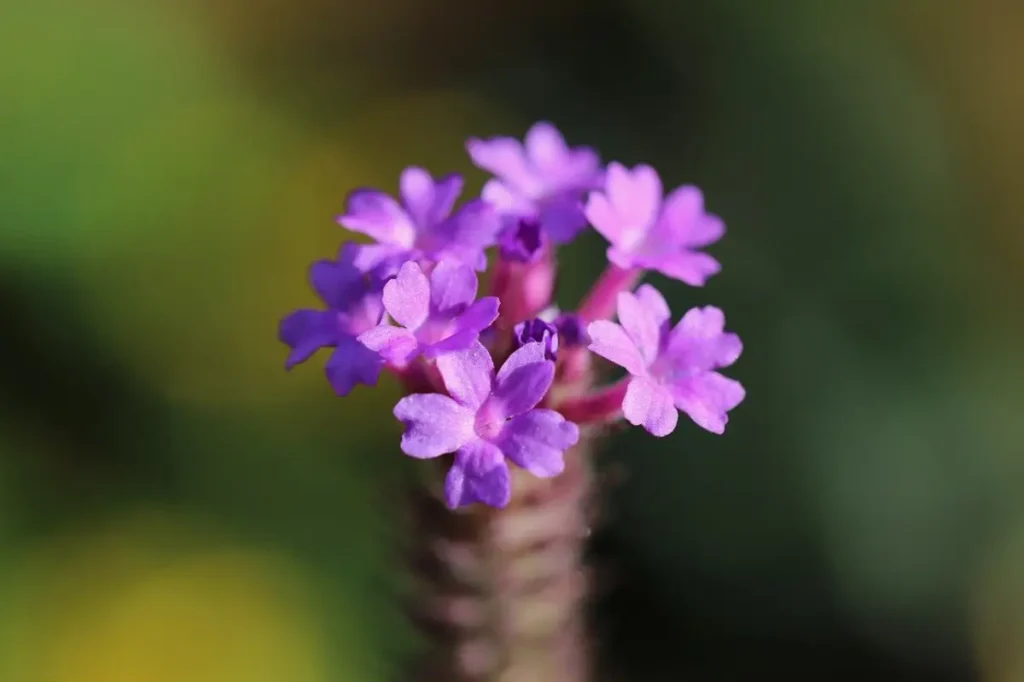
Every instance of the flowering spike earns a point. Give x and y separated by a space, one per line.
408 303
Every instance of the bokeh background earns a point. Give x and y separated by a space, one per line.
174 507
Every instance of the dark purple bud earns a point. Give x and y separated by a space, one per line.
571 330
538 330
522 241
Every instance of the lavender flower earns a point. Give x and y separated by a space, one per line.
647 232
671 369
537 330
353 300
542 180
487 420
437 315
522 241
422 224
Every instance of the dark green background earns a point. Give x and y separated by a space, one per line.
173 506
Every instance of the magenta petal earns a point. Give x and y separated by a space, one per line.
526 354
377 215
649 404
434 424
643 327
407 296
505 158
452 284
427 201
545 147
562 219
689 267
699 341
654 303
707 397
636 196
524 387
468 375
466 234
611 342
537 440
305 332
478 474
396 345
600 213
352 363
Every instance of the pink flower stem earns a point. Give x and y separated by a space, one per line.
600 406
525 289
600 301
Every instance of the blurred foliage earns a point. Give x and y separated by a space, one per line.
169 170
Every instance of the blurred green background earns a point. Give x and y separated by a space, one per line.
174 507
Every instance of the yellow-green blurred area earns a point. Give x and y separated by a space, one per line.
175 507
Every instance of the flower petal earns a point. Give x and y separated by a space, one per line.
649 404
407 296
505 158
699 342
526 354
521 389
636 196
377 215
611 342
600 213
434 424
689 267
428 202
478 474
707 397
306 332
545 147
537 440
654 303
352 363
562 219
466 327
396 345
452 284
643 327
468 375
465 235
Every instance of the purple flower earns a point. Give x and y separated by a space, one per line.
647 232
353 301
422 224
537 330
542 179
437 315
671 369
487 420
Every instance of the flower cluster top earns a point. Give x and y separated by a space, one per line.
507 377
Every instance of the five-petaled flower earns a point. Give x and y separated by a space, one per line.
541 179
647 232
486 420
422 225
670 368
407 303
353 300
437 315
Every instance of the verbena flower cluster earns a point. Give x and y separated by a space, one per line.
507 377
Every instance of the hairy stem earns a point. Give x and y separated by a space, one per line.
500 592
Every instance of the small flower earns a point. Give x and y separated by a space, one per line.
437 315
543 179
487 420
647 232
540 331
571 331
671 369
353 300
422 224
